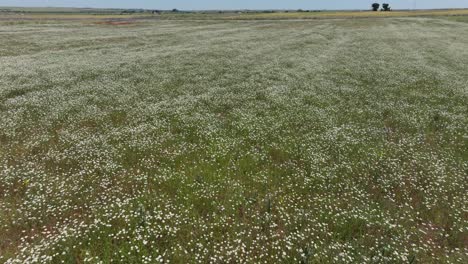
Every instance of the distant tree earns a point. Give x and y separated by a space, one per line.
127 12
300 10
386 7
175 10
375 6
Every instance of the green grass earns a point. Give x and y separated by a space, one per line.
315 141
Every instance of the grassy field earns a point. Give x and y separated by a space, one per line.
315 14
312 141
45 14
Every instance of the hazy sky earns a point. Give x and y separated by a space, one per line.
238 4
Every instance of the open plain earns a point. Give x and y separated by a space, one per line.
234 141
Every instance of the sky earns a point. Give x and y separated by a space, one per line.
238 4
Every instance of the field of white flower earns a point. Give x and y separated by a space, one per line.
321 141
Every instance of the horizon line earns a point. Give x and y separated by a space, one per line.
271 9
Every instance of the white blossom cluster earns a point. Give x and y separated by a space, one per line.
321 141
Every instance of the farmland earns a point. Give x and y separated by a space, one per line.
234 140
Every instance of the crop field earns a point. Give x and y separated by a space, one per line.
282 15
189 141
69 14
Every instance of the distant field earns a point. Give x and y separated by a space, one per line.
55 10
87 14
141 140
352 14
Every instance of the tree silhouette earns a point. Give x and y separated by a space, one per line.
375 6
386 7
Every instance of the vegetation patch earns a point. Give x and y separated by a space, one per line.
187 140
